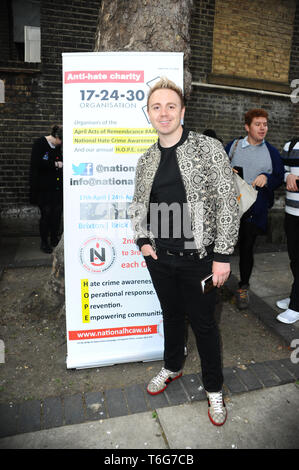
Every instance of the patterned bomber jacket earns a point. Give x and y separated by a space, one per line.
210 194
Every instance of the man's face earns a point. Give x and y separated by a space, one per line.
165 111
257 130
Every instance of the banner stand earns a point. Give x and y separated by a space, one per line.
112 312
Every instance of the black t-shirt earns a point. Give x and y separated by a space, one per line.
170 224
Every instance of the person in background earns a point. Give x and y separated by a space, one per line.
290 155
212 133
260 164
46 186
185 173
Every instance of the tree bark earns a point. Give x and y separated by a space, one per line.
55 288
146 25
125 25
50 301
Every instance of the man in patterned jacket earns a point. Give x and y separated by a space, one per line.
185 221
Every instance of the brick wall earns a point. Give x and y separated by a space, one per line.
223 109
253 39
33 93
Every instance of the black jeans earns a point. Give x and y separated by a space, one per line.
247 237
50 205
177 283
291 224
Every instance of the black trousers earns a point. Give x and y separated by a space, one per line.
50 205
291 224
247 237
177 283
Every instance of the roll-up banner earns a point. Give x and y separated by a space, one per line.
112 312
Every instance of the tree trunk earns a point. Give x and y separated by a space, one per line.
50 301
55 288
123 25
146 25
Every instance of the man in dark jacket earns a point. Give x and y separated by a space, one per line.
261 166
46 186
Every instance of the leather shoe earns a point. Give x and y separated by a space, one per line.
54 242
46 248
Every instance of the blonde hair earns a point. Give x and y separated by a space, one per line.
165 83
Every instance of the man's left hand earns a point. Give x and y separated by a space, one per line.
221 272
260 181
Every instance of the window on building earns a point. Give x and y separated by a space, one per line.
20 30
26 29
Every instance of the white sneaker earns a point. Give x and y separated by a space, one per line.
283 303
159 383
217 409
289 316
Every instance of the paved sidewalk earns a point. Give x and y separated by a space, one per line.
271 280
262 419
262 400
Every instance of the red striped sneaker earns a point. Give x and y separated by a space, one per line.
161 381
217 409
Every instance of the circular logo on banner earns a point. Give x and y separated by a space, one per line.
97 254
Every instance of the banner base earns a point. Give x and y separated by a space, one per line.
75 363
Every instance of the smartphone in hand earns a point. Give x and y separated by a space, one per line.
239 169
207 284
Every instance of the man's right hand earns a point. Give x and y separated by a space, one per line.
147 250
291 183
